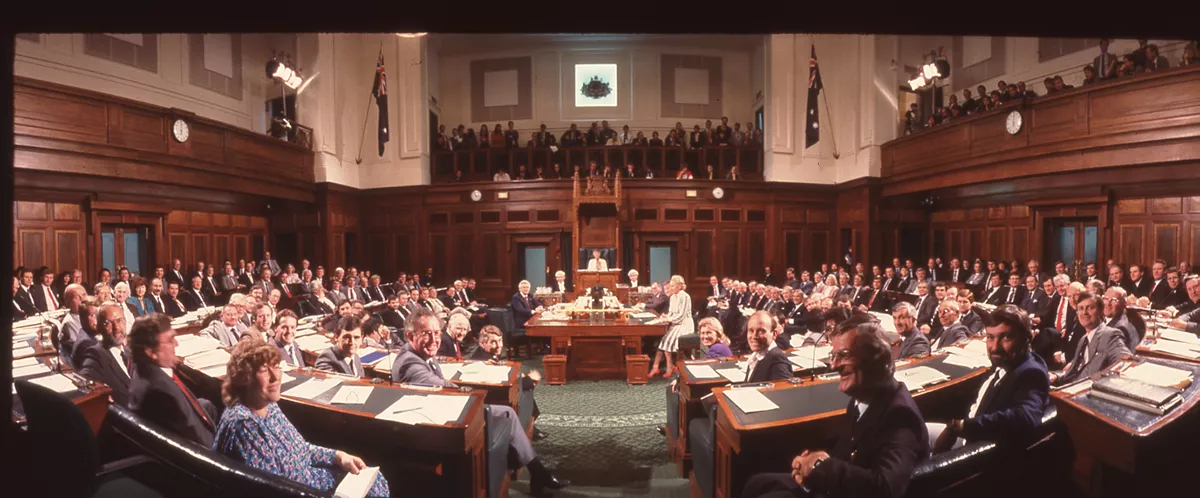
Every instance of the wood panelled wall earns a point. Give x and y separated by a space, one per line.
194 236
1157 227
996 232
49 233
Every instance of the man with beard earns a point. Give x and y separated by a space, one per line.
106 360
1012 399
887 435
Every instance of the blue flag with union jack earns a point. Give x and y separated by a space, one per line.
812 125
379 91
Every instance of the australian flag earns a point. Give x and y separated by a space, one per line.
379 91
812 130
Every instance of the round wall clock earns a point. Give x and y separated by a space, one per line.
718 192
476 195
179 129
1013 123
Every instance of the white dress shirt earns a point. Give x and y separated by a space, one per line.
598 264
999 374
116 352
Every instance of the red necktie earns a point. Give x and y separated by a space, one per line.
195 403
1062 313
457 353
50 299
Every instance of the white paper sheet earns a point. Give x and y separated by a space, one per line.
733 374
312 388
918 377
356 485
967 361
25 351
23 336
1158 375
30 370
24 362
484 373
1176 348
976 347
432 409
216 371
1179 336
750 400
208 359
352 395
702 372
56 383
385 365
313 342
196 346
449 369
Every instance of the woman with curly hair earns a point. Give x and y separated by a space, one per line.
254 430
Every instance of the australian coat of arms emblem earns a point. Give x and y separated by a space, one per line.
596 89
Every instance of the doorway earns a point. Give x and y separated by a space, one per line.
532 265
433 130
662 260
1072 241
126 245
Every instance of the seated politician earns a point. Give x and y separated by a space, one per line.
524 305
886 438
457 328
491 346
255 431
106 360
155 391
914 343
1100 347
342 357
766 362
284 339
1012 398
417 364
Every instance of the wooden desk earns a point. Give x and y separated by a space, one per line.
595 347
91 400
585 280
692 389
810 418
506 393
1120 451
437 460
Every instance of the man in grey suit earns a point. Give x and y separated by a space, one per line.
270 262
342 357
417 364
914 344
228 329
352 291
285 335
1100 347
1114 316
953 331
72 331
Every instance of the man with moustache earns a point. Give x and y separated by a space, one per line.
887 435
105 359
1012 399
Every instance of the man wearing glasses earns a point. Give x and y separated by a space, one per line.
953 331
1114 316
887 435
1100 347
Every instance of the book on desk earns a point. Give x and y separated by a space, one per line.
1136 394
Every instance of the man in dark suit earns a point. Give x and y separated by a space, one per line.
342 357
524 305
768 278
107 361
967 314
926 306
156 393
246 277
876 300
767 361
23 293
227 284
171 302
157 296
270 263
1114 316
861 293
1035 300
1013 293
1100 347
264 280
457 328
956 274
1158 282
417 364
890 281
952 331
1153 61
932 272
176 274
1105 64
1014 396
44 297
1141 283
887 435
397 311
374 291
194 298
992 291
914 343
1116 278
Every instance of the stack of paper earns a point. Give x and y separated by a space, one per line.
25 362
356 485
24 336
431 408
312 342
702 372
30 370
352 395
312 388
966 360
644 315
1159 375
977 348
196 344
56 383
1176 348
810 356
750 400
22 350
918 377
1179 336
216 371
208 359
483 373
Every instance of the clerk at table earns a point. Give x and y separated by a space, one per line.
887 435
524 305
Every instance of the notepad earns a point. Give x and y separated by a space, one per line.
750 400
450 369
918 377
21 352
484 373
428 408
197 345
702 372
312 388
24 362
356 485
1176 348
967 361
56 383
208 359
352 395
733 374
1179 336
312 342
30 370
1159 375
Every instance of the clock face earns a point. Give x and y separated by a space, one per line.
718 192
476 195
1013 123
180 130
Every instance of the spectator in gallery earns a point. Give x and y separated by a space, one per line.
1127 67
538 174
983 93
1154 62
1023 91
501 176
912 119
968 103
753 135
953 102
1002 87
1089 75
543 138
655 141
484 137
696 139
532 140
458 175
522 174
1012 93
710 173
735 173
555 172
443 140
1189 55
1059 85
737 136
630 171
640 139
572 137
497 137
608 171
511 136
996 100
456 140
593 135
593 169
625 138
1105 63
672 139
684 173
1048 83
471 141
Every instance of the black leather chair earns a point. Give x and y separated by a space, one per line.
502 318
208 473
968 470
497 457
702 439
68 462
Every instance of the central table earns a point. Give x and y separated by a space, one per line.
595 344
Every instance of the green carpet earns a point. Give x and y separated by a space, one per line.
602 438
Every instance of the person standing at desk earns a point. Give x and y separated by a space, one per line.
679 316
597 263
887 435
417 364
255 431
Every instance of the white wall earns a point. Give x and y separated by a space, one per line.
644 67
60 58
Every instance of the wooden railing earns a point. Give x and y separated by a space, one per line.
1149 118
664 162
